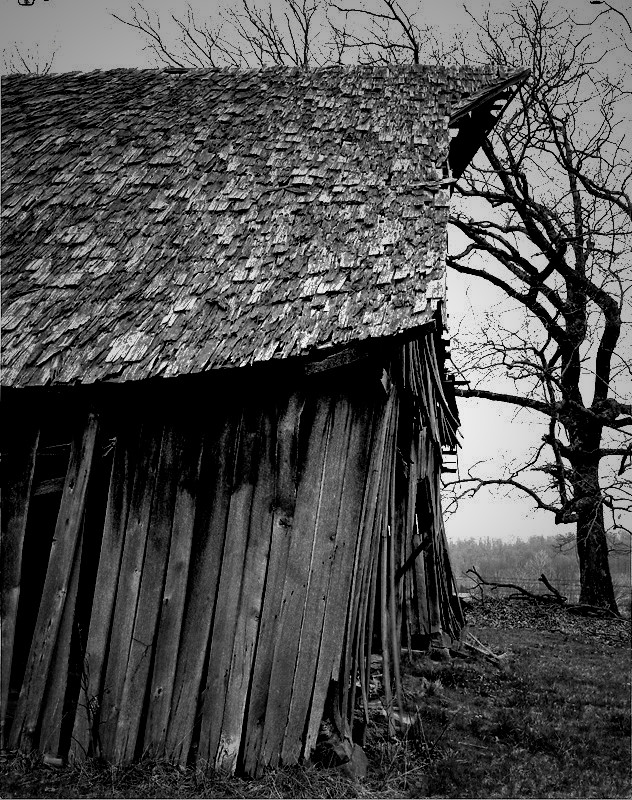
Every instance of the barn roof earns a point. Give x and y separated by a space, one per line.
163 222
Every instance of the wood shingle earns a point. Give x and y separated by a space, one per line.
160 223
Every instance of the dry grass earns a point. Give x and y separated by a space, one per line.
552 720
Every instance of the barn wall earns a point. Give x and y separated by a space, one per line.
211 582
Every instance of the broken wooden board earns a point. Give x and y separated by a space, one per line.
55 592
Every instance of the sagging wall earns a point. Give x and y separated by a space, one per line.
221 564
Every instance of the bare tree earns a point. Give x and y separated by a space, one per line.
296 33
301 33
546 216
386 33
17 60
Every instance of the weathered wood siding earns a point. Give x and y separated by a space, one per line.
244 547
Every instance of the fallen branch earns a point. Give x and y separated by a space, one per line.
543 579
471 643
553 597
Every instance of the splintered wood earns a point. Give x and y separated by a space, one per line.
223 567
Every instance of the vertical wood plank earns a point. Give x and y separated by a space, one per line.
18 471
432 586
326 554
172 609
282 524
308 504
384 636
365 555
338 593
55 590
420 586
409 533
250 601
87 714
210 531
366 651
128 586
56 689
153 571
395 621
230 585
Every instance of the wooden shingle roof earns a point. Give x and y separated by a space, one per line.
162 222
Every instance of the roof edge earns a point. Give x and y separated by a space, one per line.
489 94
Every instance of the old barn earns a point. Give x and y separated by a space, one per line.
225 400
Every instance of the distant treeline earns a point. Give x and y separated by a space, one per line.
524 560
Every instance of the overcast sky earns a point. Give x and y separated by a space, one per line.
85 36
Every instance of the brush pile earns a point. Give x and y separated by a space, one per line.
498 612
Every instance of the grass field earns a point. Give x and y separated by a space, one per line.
550 719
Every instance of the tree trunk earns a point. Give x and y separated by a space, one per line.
592 545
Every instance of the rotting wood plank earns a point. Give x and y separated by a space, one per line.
320 575
434 614
364 556
386 622
379 530
230 586
367 632
286 478
49 738
210 531
432 576
360 625
128 585
338 593
385 533
423 529
360 638
386 662
84 739
451 621
409 532
420 591
433 376
54 594
393 590
18 469
172 610
250 602
308 502
149 598
404 532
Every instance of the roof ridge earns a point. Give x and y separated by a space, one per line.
450 69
